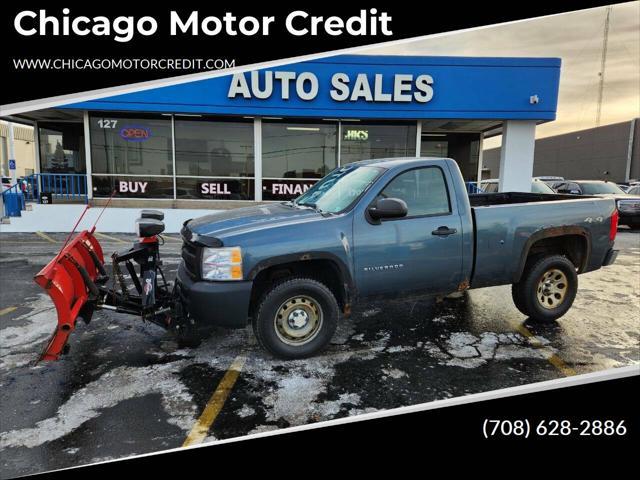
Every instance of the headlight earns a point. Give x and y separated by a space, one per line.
222 263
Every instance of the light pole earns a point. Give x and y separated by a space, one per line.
12 156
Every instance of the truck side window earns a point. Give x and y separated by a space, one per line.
423 189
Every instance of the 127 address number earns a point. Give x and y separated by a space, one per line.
107 123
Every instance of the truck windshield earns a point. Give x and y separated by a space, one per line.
600 188
339 189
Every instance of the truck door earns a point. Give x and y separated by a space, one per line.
421 252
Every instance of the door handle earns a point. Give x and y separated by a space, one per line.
444 231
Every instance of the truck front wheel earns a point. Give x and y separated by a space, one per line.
296 318
547 288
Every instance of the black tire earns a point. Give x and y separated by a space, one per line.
284 296
516 295
531 293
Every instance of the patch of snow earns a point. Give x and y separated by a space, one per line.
246 411
394 373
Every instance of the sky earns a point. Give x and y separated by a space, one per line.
575 37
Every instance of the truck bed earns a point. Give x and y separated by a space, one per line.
505 222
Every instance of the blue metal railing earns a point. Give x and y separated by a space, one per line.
60 186
13 201
472 187
67 186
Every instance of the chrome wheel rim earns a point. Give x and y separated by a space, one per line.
298 320
552 288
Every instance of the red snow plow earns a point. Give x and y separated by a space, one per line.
78 284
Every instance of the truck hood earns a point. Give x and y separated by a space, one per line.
243 220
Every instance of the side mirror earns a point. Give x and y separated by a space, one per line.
388 208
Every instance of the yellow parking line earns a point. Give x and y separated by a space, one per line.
107 237
46 237
553 359
4 311
216 402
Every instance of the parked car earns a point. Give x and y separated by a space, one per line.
385 228
634 190
549 178
628 205
537 186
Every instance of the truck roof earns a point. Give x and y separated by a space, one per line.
395 162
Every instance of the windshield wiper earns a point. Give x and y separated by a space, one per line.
314 206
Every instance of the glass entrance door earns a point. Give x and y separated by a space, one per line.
464 148
62 147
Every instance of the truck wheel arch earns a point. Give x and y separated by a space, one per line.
572 240
338 278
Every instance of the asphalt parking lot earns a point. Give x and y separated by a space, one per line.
127 388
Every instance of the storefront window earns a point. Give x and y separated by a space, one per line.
298 150
131 145
61 147
134 156
214 148
366 141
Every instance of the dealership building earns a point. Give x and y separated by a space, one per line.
269 134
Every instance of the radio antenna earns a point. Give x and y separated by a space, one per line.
87 207
93 229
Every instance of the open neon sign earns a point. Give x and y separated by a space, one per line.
135 133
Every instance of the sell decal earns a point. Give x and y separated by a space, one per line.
214 189
135 133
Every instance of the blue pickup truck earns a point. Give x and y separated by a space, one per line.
385 228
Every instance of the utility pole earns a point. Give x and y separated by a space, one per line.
603 64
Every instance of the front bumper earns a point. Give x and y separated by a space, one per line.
224 304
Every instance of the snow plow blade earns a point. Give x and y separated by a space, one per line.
71 280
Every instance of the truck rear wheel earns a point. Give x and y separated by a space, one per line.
547 288
296 318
